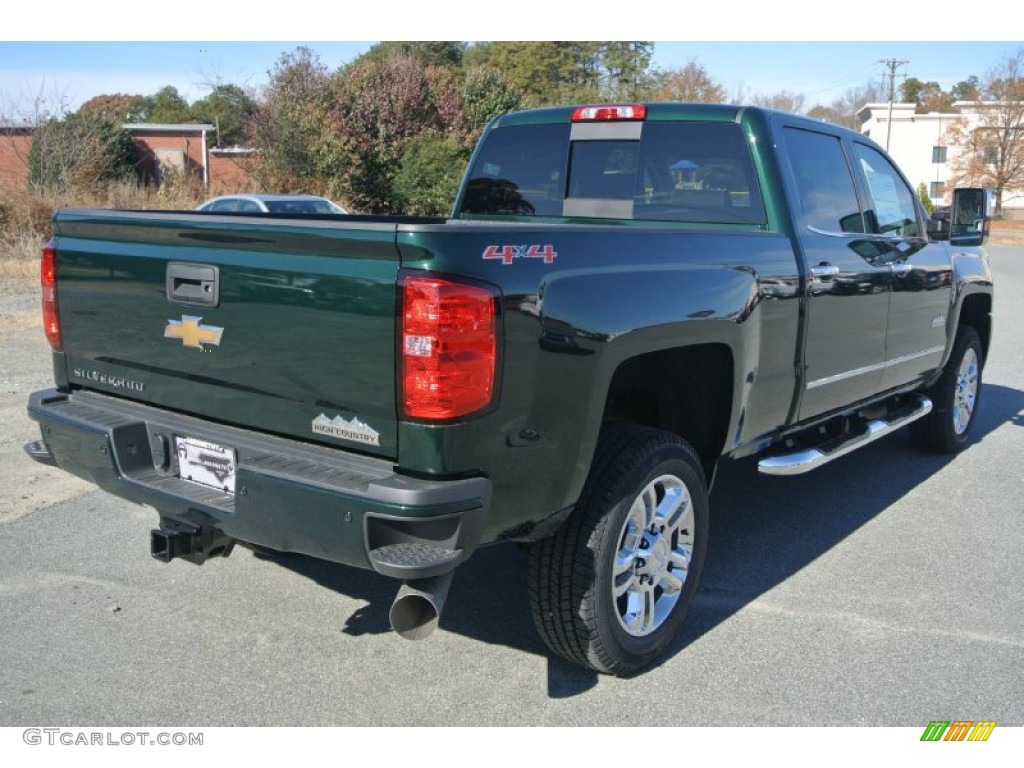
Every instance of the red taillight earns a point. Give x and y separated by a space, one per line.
449 348
48 280
610 112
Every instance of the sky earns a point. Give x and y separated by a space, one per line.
765 55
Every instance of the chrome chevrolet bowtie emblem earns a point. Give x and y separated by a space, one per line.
192 333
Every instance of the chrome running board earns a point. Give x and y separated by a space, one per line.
807 459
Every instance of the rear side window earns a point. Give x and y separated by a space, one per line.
685 172
828 197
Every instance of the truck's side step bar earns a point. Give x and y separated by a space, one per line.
808 458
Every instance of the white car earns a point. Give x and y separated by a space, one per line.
271 204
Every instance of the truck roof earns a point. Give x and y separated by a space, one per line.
661 111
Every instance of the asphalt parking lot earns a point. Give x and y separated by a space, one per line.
884 589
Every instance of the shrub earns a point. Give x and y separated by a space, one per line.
428 180
926 200
80 151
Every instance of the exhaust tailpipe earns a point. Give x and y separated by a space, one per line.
417 607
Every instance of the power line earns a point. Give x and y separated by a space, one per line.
840 82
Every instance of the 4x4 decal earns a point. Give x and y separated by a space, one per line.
509 253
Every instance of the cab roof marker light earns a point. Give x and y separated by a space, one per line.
609 112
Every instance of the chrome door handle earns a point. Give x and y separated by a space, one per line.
823 271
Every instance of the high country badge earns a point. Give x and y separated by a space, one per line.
193 333
347 429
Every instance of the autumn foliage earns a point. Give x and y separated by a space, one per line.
346 134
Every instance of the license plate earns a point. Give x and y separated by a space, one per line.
205 463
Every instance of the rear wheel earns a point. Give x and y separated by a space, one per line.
947 429
610 590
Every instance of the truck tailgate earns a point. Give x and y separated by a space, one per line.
282 324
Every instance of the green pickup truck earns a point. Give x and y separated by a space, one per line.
623 296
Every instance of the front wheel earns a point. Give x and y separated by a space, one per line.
610 590
955 396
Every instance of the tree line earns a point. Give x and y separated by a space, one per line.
391 131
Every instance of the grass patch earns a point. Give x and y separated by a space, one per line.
25 216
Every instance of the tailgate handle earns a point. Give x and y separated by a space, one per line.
195 284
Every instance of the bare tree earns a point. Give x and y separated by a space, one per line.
20 114
49 101
688 83
843 111
785 101
991 146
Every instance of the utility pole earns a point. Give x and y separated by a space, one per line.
893 65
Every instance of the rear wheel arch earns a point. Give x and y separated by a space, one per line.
687 391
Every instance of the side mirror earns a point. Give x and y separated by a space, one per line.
969 217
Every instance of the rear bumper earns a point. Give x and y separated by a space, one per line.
289 496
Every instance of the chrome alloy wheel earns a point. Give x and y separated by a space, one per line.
966 392
610 589
653 557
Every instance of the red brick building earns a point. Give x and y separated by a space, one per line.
15 142
231 170
164 148
172 148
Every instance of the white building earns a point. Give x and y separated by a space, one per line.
920 146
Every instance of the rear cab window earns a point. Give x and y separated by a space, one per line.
672 171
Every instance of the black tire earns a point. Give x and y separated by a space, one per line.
955 398
604 593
